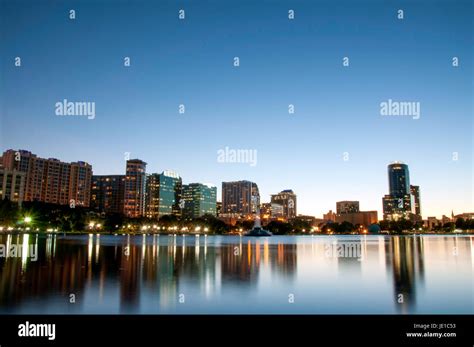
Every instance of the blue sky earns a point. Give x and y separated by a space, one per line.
282 62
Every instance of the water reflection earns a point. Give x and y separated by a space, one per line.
200 274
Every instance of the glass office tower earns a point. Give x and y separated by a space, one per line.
163 194
398 180
199 199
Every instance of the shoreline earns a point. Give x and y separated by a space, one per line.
22 232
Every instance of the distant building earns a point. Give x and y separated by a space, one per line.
199 199
397 208
266 211
271 211
311 220
465 216
398 179
399 203
134 197
80 184
287 199
218 208
277 211
240 199
107 193
12 185
343 207
330 216
163 194
445 220
431 223
415 192
50 180
364 218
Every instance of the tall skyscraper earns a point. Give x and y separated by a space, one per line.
398 180
107 193
199 199
163 194
240 198
399 203
51 180
343 207
287 199
134 195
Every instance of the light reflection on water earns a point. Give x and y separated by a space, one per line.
232 274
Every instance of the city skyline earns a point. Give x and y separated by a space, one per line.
170 165
334 147
398 184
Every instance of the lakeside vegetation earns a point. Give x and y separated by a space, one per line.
44 217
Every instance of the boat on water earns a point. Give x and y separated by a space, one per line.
258 231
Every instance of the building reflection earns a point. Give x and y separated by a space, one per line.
405 260
284 259
136 274
158 264
21 278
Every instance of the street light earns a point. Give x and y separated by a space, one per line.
27 219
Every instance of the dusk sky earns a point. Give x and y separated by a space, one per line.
282 62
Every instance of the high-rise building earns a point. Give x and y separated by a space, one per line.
287 199
80 183
240 198
51 180
134 192
415 191
343 207
163 194
107 193
199 199
399 203
12 185
398 180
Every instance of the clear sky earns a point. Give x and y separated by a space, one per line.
282 62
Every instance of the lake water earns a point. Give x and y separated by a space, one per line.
157 274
